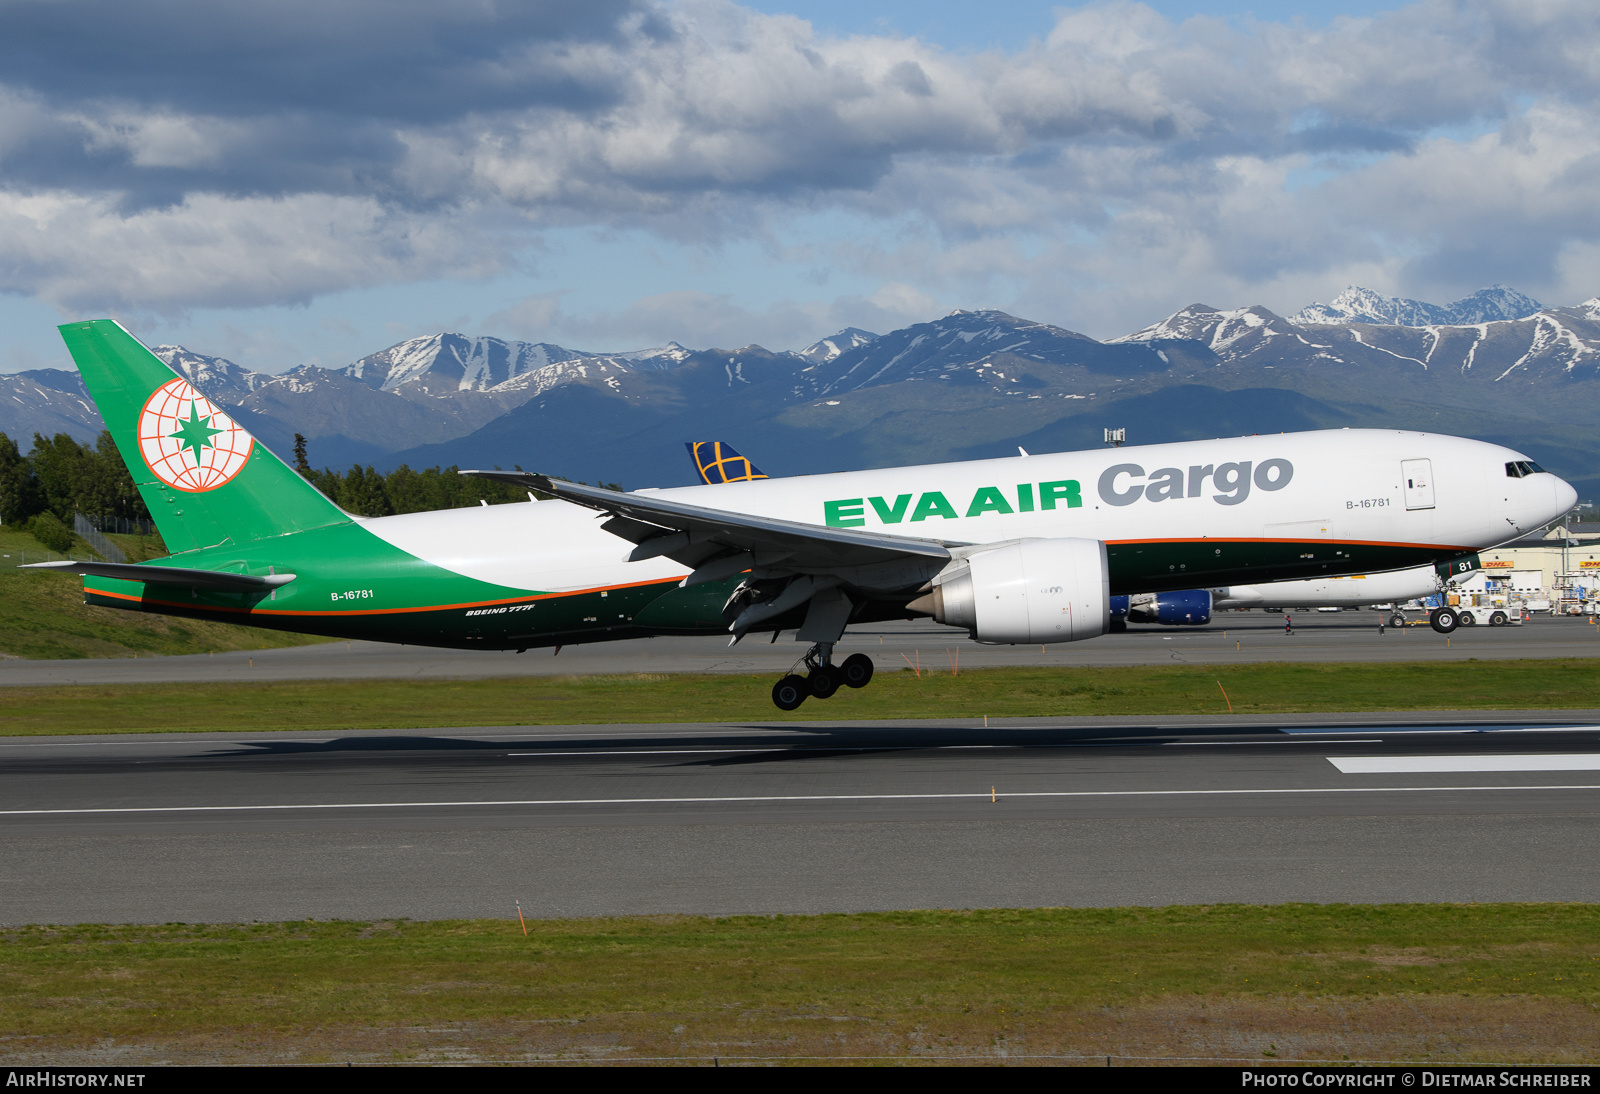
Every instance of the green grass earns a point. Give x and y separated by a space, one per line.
1460 982
42 615
1000 692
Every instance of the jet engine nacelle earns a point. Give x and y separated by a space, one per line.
1035 590
1190 608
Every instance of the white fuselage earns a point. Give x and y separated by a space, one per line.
1335 487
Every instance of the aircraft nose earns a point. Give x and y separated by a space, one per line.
1566 496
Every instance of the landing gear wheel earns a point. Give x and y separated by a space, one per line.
790 692
1397 620
1498 619
1118 626
1468 619
856 672
1443 620
823 681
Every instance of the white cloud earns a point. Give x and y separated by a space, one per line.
1120 165
81 253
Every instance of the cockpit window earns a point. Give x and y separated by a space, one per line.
1518 469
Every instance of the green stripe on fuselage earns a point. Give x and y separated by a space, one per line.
401 598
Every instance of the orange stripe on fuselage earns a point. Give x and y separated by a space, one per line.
641 584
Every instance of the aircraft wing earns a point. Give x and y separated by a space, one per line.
711 539
168 575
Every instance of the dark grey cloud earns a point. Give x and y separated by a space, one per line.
244 154
393 60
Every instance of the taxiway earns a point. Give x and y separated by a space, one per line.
1234 638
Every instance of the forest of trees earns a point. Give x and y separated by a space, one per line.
60 476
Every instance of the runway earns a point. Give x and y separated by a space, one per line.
729 819
1234 638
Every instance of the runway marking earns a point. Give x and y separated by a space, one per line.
676 751
1463 728
167 740
774 798
1394 765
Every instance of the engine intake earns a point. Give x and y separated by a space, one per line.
1035 590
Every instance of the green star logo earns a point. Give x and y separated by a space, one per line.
196 433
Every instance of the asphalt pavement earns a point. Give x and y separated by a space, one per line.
1233 638
724 819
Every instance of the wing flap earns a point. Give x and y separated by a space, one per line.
707 533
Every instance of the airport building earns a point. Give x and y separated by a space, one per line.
1562 565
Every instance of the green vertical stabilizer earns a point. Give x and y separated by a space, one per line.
205 480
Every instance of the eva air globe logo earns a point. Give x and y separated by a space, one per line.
188 442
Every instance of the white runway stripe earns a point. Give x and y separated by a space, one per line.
1003 796
1376 727
1394 765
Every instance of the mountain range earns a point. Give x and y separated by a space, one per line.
1495 365
1358 305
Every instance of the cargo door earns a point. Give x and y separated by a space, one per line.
1418 478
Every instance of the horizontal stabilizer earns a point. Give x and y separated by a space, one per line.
168 575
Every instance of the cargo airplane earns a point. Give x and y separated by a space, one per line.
718 461
1025 549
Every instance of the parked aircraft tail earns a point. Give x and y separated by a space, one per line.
204 478
717 462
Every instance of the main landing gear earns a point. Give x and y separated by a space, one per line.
1444 620
822 677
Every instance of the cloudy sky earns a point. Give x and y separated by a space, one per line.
288 181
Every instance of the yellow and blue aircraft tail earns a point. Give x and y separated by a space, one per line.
717 462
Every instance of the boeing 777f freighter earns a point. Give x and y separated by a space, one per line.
1026 549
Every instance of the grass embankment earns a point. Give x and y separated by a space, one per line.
43 615
1449 983
998 693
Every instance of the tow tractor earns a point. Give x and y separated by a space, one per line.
1451 608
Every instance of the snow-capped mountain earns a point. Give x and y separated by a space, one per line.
218 377
1229 334
1358 305
454 362
970 384
826 349
973 347
46 401
606 370
664 357
1559 339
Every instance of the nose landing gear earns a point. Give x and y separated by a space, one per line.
1444 620
822 678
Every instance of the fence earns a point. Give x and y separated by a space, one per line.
108 550
122 526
